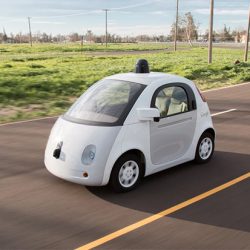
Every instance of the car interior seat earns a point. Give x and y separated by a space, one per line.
161 103
178 102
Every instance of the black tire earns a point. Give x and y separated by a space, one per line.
200 156
114 181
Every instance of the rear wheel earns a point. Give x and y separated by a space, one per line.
126 173
205 148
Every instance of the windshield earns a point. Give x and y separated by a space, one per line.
108 102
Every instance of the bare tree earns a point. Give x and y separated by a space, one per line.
74 37
5 37
191 29
89 36
187 29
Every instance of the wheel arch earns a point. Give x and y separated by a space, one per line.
210 131
136 152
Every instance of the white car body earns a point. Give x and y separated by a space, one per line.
164 144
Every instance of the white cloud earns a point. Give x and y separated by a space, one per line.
222 12
21 20
121 12
240 21
112 23
160 12
47 22
136 5
70 15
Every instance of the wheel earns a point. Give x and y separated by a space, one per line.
126 174
205 148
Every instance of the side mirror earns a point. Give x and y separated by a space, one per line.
148 114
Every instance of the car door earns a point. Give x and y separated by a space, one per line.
172 135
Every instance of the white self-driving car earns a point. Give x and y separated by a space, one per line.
128 126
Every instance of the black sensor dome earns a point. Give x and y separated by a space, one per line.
142 67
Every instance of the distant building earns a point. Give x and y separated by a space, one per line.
240 37
244 38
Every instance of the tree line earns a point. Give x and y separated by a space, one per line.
188 31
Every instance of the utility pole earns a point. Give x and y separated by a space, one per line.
30 32
247 40
210 45
176 25
106 26
82 43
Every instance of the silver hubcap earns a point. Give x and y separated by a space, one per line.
205 149
128 174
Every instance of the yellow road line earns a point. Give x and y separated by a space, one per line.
161 214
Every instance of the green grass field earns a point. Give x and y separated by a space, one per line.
76 47
46 79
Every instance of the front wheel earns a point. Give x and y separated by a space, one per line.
126 173
205 148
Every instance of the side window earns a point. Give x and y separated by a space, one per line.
171 101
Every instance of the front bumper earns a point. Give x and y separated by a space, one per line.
72 175
74 138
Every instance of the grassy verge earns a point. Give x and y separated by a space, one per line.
36 85
76 47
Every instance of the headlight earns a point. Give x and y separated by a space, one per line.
88 154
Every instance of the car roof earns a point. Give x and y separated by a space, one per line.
149 78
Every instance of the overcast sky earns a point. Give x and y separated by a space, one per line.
130 17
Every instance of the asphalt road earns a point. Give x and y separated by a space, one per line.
38 210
